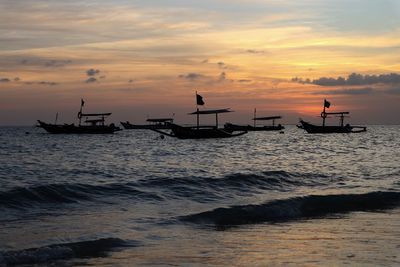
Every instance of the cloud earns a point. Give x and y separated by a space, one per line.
38 61
353 79
92 72
43 83
57 63
351 91
91 80
17 79
222 77
6 80
222 65
244 81
47 83
394 90
253 51
192 76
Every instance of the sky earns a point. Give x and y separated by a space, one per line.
141 59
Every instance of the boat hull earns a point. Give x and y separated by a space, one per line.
311 128
72 129
198 132
129 126
233 127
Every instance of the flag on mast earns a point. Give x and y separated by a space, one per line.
327 104
82 102
199 100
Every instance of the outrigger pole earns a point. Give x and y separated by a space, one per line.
198 115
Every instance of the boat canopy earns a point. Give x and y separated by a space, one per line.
94 114
336 113
267 118
160 120
211 111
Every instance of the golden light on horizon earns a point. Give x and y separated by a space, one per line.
146 54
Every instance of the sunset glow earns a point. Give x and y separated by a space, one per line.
149 58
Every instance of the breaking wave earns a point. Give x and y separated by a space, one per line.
266 179
297 208
205 188
202 189
21 197
51 253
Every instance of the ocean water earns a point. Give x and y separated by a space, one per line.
262 199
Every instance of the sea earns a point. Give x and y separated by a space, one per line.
262 199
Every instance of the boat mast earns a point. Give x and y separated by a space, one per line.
341 119
198 115
80 112
255 113
323 115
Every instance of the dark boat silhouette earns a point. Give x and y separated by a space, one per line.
341 128
95 125
198 131
156 123
255 127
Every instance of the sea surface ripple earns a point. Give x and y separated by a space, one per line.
134 198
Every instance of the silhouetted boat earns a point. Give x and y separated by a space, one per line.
311 128
255 127
200 132
92 126
161 123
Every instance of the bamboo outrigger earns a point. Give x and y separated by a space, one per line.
155 123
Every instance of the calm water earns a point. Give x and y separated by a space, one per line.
260 199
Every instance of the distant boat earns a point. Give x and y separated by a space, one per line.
311 128
255 127
157 123
200 132
91 126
